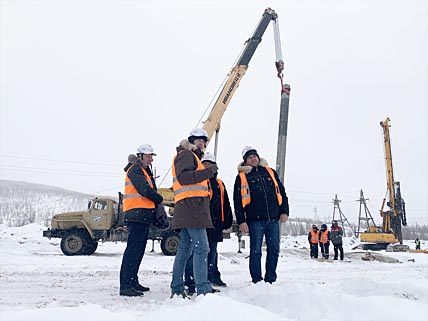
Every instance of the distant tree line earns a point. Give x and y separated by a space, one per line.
23 203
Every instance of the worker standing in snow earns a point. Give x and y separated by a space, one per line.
191 212
139 205
336 239
324 239
418 244
221 217
313 239
260 202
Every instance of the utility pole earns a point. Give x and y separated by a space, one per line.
367 218
342 216
316 218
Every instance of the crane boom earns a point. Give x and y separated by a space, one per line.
213 122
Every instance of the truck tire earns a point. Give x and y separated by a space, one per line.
169 243
74 243
90 247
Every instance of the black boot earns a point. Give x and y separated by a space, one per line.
130 292
141 288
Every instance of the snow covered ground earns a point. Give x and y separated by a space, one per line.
39 283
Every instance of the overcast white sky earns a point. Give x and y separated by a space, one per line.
84 83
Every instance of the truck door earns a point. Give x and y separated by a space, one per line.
99 215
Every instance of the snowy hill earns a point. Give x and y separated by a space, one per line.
39 283
22 203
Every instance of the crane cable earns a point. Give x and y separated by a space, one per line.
279 63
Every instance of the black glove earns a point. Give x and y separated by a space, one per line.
213 169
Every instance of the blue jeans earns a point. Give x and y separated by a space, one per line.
269 229
192 240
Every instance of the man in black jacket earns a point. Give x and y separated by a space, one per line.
139 204
260 202
221 216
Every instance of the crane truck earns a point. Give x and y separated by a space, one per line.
213 122
394 216
80 232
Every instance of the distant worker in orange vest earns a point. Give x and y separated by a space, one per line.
324 239
139 205
260 203
313 239
191 212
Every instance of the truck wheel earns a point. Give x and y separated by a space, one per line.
90 247
169 243
73 243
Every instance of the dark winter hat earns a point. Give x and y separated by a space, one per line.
247 151
324 226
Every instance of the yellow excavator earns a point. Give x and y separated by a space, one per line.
394 215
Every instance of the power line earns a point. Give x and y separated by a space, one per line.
59 161
56 172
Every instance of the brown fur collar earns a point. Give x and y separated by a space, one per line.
242 167
134 160
187 145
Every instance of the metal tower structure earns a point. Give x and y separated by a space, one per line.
342 216
365 220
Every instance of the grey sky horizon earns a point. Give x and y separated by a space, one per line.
84 83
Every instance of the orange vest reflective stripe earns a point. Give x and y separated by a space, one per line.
220 184
133 199
192 190
324 237
245 189
314 236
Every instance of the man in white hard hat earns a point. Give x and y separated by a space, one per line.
221 217
191 212
139 205
260 203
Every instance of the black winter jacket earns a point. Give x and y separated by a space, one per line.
336 235
138 179
216 233
264 204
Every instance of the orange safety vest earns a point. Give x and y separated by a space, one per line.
192 190
245 189
133 199
324 237
314 236
220 184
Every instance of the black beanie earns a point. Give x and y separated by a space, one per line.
250 152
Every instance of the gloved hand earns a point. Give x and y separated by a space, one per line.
213 169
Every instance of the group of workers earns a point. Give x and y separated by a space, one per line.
322 239
202 211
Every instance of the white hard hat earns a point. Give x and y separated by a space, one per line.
146 149
247 151
208 157
198 133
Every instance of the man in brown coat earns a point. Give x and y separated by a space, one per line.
191 212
